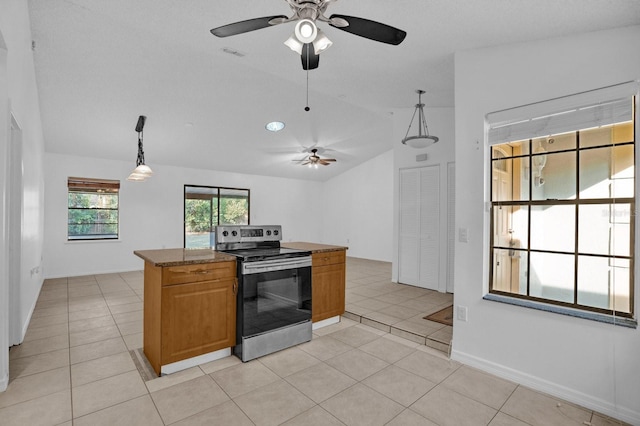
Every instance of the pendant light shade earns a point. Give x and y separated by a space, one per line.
142 171
423 139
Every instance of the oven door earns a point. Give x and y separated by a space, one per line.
275 294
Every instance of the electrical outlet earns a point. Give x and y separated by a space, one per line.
461 313
463 235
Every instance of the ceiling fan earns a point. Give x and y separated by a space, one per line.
307 39
314 159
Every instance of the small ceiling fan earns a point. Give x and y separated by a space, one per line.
314 159
307 39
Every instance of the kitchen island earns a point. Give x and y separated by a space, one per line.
190 301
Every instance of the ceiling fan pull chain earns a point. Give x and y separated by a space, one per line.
307 107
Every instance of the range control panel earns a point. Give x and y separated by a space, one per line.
248 233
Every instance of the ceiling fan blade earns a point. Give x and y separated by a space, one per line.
310 60
306 162
324 163
370 29
246 26
329 159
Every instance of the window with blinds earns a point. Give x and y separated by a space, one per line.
93 209
562 227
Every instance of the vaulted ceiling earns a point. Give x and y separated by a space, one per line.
101 64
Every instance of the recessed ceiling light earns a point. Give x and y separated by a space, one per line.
274 126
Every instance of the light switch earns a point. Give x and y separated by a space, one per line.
461 313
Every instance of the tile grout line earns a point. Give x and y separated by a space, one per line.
69 346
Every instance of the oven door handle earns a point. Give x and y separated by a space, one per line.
275 265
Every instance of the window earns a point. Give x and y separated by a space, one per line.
563 213
205 207
92 209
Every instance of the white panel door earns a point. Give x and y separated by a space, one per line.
429 227
419 245
451 225
408 255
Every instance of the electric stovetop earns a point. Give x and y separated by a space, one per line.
256 254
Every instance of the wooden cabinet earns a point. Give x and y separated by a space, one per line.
189 310
328 284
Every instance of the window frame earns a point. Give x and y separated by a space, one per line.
531 203
93 186
218 190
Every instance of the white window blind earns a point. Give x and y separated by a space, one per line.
599 107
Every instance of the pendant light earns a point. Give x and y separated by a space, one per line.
423 139
142 171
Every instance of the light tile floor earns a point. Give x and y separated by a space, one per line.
74 368
372 299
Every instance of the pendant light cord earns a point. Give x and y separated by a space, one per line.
140 159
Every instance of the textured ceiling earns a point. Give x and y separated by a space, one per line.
100 64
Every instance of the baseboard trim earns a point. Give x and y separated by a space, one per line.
4 382
326 322
551 388
81 274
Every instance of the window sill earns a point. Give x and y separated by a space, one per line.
593 316
113 240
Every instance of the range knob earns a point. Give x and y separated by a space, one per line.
225 233
234 233
268 232
276 232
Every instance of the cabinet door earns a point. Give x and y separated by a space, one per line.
328 286
197 318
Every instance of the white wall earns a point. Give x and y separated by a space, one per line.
441 124
19 97
358 209
593 364
151 212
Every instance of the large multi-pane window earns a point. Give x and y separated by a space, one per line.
562 218
92 209
205 207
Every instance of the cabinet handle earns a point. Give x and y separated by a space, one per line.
197 271
235 287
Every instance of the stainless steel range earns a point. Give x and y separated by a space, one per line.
274 289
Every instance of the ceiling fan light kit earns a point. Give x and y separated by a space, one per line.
321 42
423 139
142 172
306 33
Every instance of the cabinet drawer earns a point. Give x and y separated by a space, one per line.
328 258
198 272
